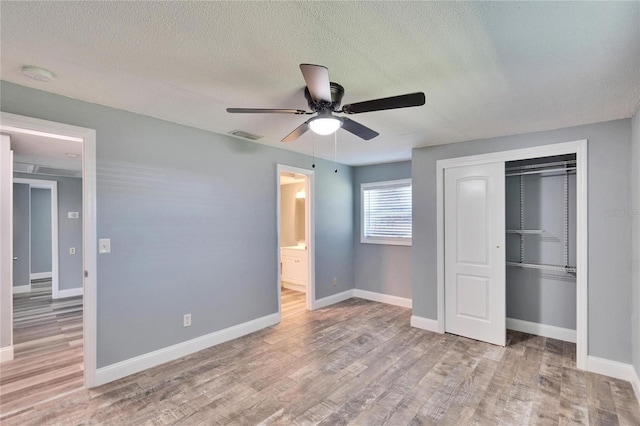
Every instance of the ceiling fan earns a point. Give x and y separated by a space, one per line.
324 98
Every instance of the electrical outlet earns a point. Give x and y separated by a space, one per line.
186 320
335 281
104 245
72 250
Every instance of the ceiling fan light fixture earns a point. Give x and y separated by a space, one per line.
323 125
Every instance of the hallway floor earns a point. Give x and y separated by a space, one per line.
47 336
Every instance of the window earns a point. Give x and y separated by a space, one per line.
386 212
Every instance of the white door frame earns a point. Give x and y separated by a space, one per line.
21 124
6 245
309 229
576 147
52 186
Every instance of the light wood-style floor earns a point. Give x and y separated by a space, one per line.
293 302
356 362
47 336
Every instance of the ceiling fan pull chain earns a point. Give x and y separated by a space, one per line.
335 151
313 148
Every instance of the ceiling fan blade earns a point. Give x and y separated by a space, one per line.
266 111
401 101
358 129
299 131
317 79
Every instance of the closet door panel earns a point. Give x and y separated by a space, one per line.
474 252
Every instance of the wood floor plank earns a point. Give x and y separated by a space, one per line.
357 362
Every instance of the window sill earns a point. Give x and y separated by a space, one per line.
387 241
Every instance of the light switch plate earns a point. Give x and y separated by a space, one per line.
72 250
104 245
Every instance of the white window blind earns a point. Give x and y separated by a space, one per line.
386 212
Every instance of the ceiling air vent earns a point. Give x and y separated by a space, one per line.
23 167
44 170
245 135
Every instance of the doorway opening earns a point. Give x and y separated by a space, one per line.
296 286
462 170
54 317
35 233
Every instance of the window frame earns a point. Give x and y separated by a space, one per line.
396 241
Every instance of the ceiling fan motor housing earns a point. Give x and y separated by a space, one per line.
324 99
337 92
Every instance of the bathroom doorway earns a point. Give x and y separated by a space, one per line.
295 240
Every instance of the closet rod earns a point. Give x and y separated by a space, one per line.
541 165
568 169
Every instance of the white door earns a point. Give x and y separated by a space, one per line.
474 216
6 249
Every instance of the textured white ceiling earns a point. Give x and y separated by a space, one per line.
487 68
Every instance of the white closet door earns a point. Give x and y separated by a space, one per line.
475 252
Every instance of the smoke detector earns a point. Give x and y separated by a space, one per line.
38 74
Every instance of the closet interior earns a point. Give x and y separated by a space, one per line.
541 240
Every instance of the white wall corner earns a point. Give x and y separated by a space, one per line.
17 289
544 330
134 365
331 300
424 323
6 353
71 292
615 369
383 298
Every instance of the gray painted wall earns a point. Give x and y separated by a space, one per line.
635 186
188 236
544 297
69 230
40 230
21 226
609 235
380 268
291 218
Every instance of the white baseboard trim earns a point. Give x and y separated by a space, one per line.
134 365
424 323
636 384
330 300
383 298
41 275
615 369
295 287
543 330
6 353
17 289
70 292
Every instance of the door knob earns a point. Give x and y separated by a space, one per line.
15 258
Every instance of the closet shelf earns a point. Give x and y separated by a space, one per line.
543 266
524 231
